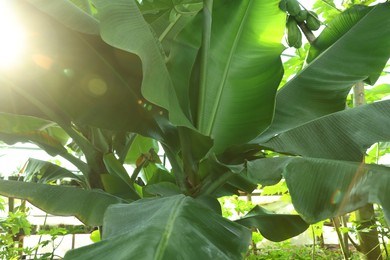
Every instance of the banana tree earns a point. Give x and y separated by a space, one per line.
201 78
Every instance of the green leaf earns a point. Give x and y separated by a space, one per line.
345 135
69 14
275 227
243 71
130 32
322 189
87 205
175 227
118 187
44 172
115 168
46 134
322 87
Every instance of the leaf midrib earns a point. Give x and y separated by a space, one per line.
221 87
161 248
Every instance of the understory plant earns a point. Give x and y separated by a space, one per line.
102 82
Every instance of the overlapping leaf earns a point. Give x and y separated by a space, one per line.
123 26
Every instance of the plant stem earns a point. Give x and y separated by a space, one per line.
40 238
336 223
206 38
314 243
369 241
307 32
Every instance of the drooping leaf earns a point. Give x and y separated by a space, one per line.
175 227
322 189
322 87
130 32
345 135
243 71
87 205
44 172
46 134
275 227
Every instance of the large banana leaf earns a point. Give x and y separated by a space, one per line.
321 87
46 134
87 205
322 189
345 135
123 26
175 227
275 227
243 71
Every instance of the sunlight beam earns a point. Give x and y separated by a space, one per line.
12 37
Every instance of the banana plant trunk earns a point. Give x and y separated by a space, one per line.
365 216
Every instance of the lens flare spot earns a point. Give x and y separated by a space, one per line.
43 61
69 73
336 197
97 86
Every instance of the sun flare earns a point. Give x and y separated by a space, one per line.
12 37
